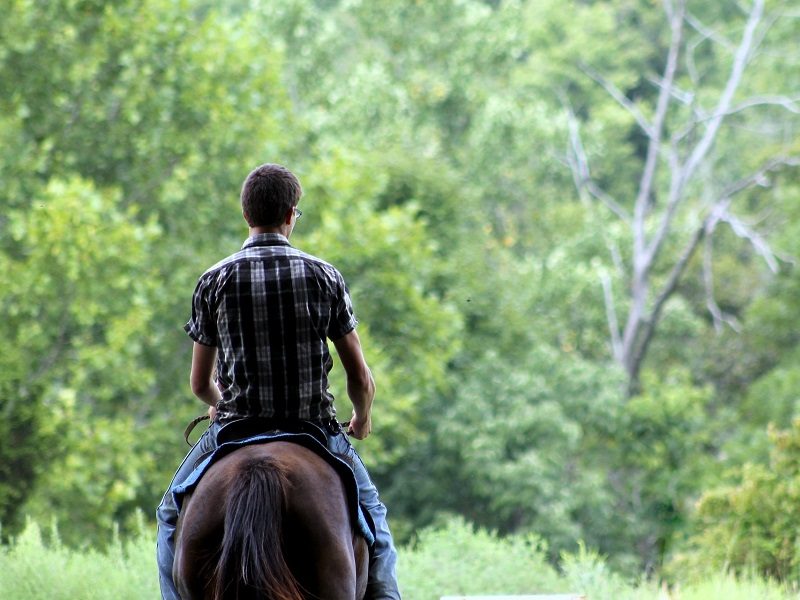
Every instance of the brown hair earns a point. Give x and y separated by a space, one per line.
268 193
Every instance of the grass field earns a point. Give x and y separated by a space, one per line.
455 560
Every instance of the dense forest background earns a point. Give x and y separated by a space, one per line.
570 228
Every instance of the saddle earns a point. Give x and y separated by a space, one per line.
242 429
257 430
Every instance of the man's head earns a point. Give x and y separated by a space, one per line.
269 194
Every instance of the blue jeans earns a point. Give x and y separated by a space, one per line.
382 579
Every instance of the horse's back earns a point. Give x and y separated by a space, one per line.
315 535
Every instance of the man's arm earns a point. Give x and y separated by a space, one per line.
203 359
360 384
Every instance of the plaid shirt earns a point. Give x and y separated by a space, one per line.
268 309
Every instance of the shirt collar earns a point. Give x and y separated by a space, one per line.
266 239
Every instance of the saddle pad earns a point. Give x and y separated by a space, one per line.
304 439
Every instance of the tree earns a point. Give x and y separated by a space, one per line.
116 120
689 179
157 126
71 322
375 235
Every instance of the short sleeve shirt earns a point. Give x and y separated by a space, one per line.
269 310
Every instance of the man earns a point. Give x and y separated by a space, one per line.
262 318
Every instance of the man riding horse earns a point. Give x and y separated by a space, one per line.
260 323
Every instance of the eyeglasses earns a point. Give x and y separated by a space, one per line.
297 213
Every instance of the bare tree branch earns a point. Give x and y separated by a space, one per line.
769 21
606 199
719 317
616 256
674 198
686 98
759 177
639 286
707 33
611 317
719 212
759 243
684 132
581 173
790 103
681 177
656 131
645 333
723 106
668 8
644 337
620 97
683 147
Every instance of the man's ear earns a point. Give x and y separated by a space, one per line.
288 217
245 216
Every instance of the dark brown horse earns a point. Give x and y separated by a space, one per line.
269 521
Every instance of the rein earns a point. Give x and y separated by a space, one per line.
192 424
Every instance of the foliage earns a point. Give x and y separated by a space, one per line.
103 481
660 461
392 265
455 559
749 525
67 289
586 571
513 442
37 566
433 140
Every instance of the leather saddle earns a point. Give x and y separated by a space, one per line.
242 429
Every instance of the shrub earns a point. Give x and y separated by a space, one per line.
34 569
751 525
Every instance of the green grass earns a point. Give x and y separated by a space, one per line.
455 560
32 568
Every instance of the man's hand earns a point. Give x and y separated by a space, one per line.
360 428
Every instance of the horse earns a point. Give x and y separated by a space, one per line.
269 521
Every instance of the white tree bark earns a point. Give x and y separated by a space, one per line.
682 153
